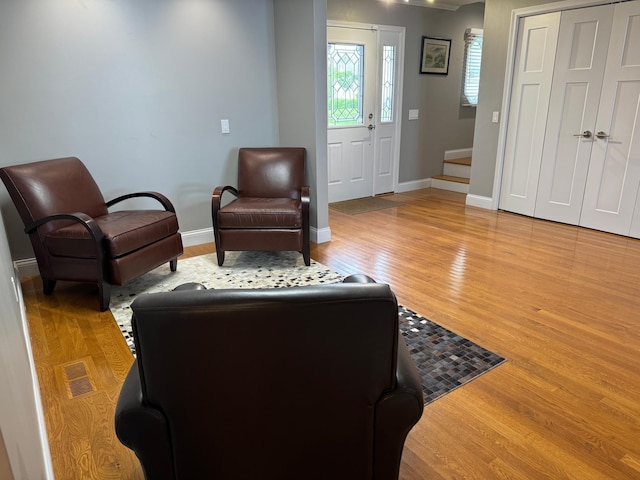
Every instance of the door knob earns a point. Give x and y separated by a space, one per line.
371 127
602 135
585 134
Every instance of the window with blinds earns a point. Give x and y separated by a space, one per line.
471 67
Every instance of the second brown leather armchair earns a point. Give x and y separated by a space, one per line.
74 235
271 208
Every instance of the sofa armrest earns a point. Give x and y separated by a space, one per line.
396 413
143 429
358 278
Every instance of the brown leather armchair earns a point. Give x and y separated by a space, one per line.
271 209
75 237
290 383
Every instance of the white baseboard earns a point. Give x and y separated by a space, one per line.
413 185
480 201
205 235
197 237
322 235
28 267
459 153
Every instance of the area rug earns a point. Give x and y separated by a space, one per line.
445 360
363 205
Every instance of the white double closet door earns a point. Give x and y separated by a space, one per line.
573 140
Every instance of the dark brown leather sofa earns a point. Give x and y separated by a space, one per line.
75 237
271 208
293 383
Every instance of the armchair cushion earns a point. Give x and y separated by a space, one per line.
124 231
247 212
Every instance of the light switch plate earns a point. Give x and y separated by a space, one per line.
224 126
495 118
414 114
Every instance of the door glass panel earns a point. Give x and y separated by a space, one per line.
388 73
345 72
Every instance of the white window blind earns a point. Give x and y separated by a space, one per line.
471 67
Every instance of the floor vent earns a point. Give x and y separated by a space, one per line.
78 379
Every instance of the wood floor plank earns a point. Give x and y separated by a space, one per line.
559 302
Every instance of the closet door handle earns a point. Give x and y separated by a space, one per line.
602 135
585 134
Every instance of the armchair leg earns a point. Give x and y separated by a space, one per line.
48 286
220 255
173 264
104 290
306 250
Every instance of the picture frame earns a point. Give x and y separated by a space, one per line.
434 56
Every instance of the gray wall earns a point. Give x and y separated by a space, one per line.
19 427
137 90
443 124
494 58
302 101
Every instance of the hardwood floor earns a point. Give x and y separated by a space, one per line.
559 302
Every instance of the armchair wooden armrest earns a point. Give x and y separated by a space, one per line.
164 201
97 236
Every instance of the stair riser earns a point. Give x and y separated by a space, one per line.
451 186
457 170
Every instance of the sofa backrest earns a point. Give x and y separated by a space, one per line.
275 380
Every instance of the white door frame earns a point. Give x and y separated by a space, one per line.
398 90
516 15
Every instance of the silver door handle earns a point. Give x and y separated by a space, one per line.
602 135
371 127
585 134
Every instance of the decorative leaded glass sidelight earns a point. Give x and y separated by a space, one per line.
388 71
345 76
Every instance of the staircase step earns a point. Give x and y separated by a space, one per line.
451 178
460 161
456 170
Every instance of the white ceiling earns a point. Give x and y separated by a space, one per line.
441 4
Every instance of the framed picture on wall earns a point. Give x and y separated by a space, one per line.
434 58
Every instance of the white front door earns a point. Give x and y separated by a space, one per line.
613 180
363 71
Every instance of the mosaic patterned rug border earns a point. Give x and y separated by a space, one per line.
445 360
